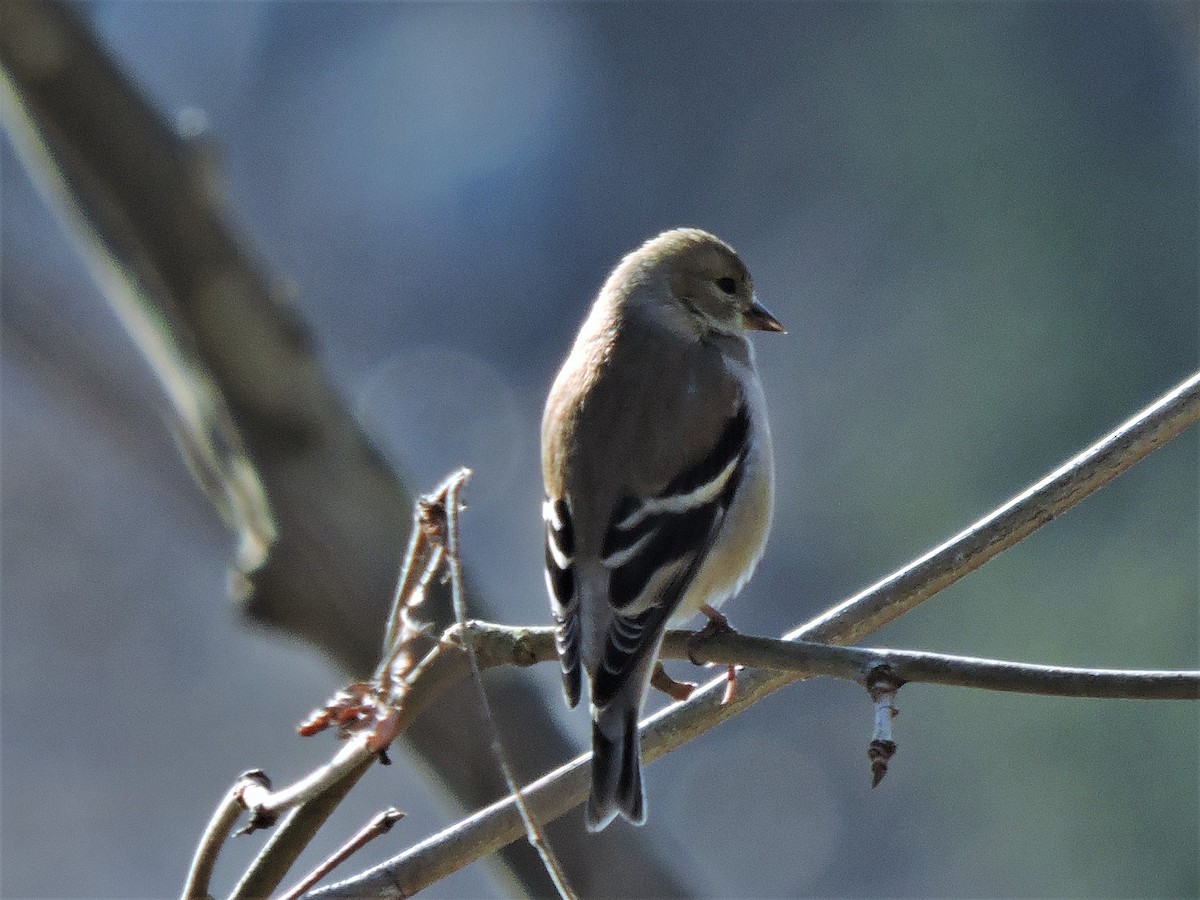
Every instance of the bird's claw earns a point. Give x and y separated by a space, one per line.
717 624
676 690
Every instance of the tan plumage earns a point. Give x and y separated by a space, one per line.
656 457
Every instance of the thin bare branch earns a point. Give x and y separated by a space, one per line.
441 669
420 562
350 756
292 836
533 831
500 645
555 793
318 794
871 609
220 826
381 824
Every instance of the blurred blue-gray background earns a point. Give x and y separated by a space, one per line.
980 223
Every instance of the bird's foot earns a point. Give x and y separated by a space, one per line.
676 690
717 624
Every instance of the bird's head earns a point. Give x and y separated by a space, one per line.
691 275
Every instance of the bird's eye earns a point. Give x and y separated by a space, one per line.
727 284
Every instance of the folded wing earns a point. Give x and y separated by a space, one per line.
654 546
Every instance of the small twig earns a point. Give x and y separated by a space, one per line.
438 671
381 824
219 828
533 830
369 715
882 685
421 560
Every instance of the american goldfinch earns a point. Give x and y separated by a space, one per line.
656 456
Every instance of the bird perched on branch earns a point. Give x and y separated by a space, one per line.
656 456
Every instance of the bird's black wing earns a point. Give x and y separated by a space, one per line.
654 546
560 581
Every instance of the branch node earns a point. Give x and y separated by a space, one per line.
252 790
524 653
881 679
259 819
251 787
431 515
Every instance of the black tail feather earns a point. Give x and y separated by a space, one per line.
616 772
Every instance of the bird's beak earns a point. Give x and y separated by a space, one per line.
758 319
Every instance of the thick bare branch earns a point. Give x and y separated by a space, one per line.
555 793
871 609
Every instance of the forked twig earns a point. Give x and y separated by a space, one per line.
369 714
290 838
380 824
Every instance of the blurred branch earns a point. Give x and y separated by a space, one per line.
255 416
54 119
314 506
488 830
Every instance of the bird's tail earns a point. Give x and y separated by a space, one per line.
616 767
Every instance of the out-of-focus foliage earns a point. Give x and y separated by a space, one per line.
980 223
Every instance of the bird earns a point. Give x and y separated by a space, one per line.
659 482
